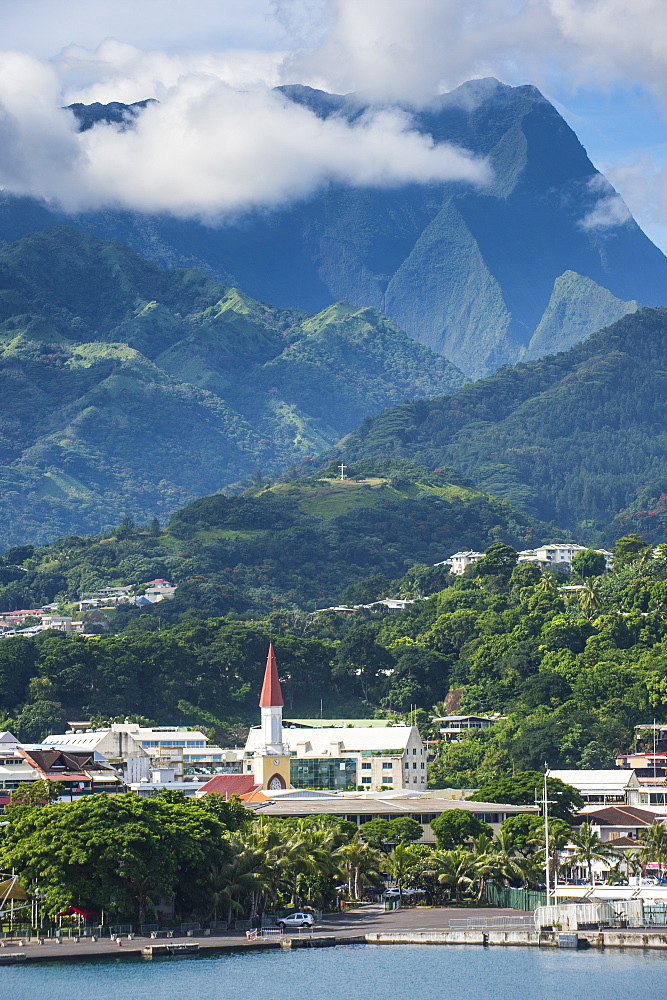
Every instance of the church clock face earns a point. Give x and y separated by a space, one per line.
276 763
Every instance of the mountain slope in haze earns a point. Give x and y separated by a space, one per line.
127 389
471 272
570 438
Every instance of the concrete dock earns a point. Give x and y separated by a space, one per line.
364 925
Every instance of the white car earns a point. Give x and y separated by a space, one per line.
296 920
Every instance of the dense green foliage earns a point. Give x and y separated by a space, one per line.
572 438
455 827
119 853
127 388
297 544
525 788
573 672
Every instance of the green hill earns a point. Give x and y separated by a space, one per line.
127 389
570 438
293 544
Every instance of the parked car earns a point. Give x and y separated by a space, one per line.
392 893
296 920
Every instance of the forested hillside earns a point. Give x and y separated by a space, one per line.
130 390
575 438
536 259
574 672
293 544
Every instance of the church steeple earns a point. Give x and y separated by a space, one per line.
271 703
271 695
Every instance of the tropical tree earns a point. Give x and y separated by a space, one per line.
590 848
361 863
402 863
588 563
35 793
457 869
590 598
654 844
383 834
455 827
509 865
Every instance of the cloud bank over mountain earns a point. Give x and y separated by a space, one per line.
207 150
220 142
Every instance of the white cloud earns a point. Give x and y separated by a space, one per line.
206 150
115 71
644 186
243 148
609 209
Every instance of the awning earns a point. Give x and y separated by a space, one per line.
9 889
88 914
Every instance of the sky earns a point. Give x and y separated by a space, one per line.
221 142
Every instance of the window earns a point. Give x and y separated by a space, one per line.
407 763
149 743
414 767
414 752
386 766
325 773
422 765
365 766
366 779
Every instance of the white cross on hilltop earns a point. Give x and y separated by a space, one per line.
342 470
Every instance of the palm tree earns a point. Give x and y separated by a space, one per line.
654 844
509 865
548 584
590 848
247 875
360 862
590 599
456 869
402 863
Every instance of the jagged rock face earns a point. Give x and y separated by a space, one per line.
475 274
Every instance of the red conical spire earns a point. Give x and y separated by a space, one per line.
271 696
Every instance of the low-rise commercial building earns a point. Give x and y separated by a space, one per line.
361 808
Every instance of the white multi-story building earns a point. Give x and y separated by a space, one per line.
452 726
392 757
553 554
460 561
172 747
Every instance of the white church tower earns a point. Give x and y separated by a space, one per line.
271 766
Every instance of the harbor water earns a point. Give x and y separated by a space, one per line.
355 972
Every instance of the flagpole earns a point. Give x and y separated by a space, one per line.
546 834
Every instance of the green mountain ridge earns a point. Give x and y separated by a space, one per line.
569 438
127 388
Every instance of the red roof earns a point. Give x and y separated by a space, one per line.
229 784
271 696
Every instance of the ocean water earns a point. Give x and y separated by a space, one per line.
353 972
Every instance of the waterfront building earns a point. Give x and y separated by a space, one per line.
81 772
361 808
